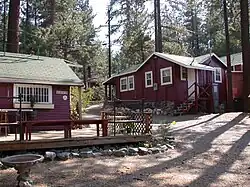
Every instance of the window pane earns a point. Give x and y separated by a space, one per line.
148 76
184 73
166 79
166 73
149 82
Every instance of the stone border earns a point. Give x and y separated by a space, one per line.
138 149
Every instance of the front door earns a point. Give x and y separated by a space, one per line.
191 81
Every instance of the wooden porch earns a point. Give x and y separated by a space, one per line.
30 135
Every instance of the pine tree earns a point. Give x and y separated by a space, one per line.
136 37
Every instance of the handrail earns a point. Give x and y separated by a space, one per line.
192 85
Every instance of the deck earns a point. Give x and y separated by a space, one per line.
93 132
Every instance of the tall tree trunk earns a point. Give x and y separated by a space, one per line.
52 11
13 26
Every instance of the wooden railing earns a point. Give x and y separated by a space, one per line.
204 91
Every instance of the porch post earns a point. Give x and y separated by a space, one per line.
106 92
196 95
80 102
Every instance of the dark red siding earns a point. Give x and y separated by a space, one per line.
61 107
6 89
176 92
237 82
222 86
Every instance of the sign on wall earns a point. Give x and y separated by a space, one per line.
59 92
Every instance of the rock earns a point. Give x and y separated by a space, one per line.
146 145
1 165
85 149
119 153
163 148
63 155
75 151
75 155
107 152
133 150
124 149
133 154
170 146
97 154
158 112
149 110
86 154
95 149
143 151
25 184
170 138
49 155
155 150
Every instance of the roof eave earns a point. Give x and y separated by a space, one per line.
28 81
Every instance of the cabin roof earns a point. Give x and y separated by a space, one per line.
236 59
184 61
24 68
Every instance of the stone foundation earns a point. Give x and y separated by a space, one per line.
157 108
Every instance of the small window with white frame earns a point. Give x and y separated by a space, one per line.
217 75
183 73
166 76
148 79
123 84
131 83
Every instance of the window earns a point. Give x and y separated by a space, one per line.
131 83
148 79
183 73
123 84
217 75
166 76
41 94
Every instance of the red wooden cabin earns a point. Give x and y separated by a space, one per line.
186 81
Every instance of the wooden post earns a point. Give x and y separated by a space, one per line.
105 127
106 92
195 90
80 102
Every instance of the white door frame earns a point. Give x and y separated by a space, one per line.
191 80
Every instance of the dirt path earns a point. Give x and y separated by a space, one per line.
212 150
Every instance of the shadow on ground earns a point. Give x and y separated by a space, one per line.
165 170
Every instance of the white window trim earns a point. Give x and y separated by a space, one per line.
171 76
148 85
220 81
233 68
33 86
121 79
133 78
182 78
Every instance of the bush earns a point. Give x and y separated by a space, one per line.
87 96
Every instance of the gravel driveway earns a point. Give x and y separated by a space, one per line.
212 150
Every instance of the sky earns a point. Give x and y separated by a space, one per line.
100 9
